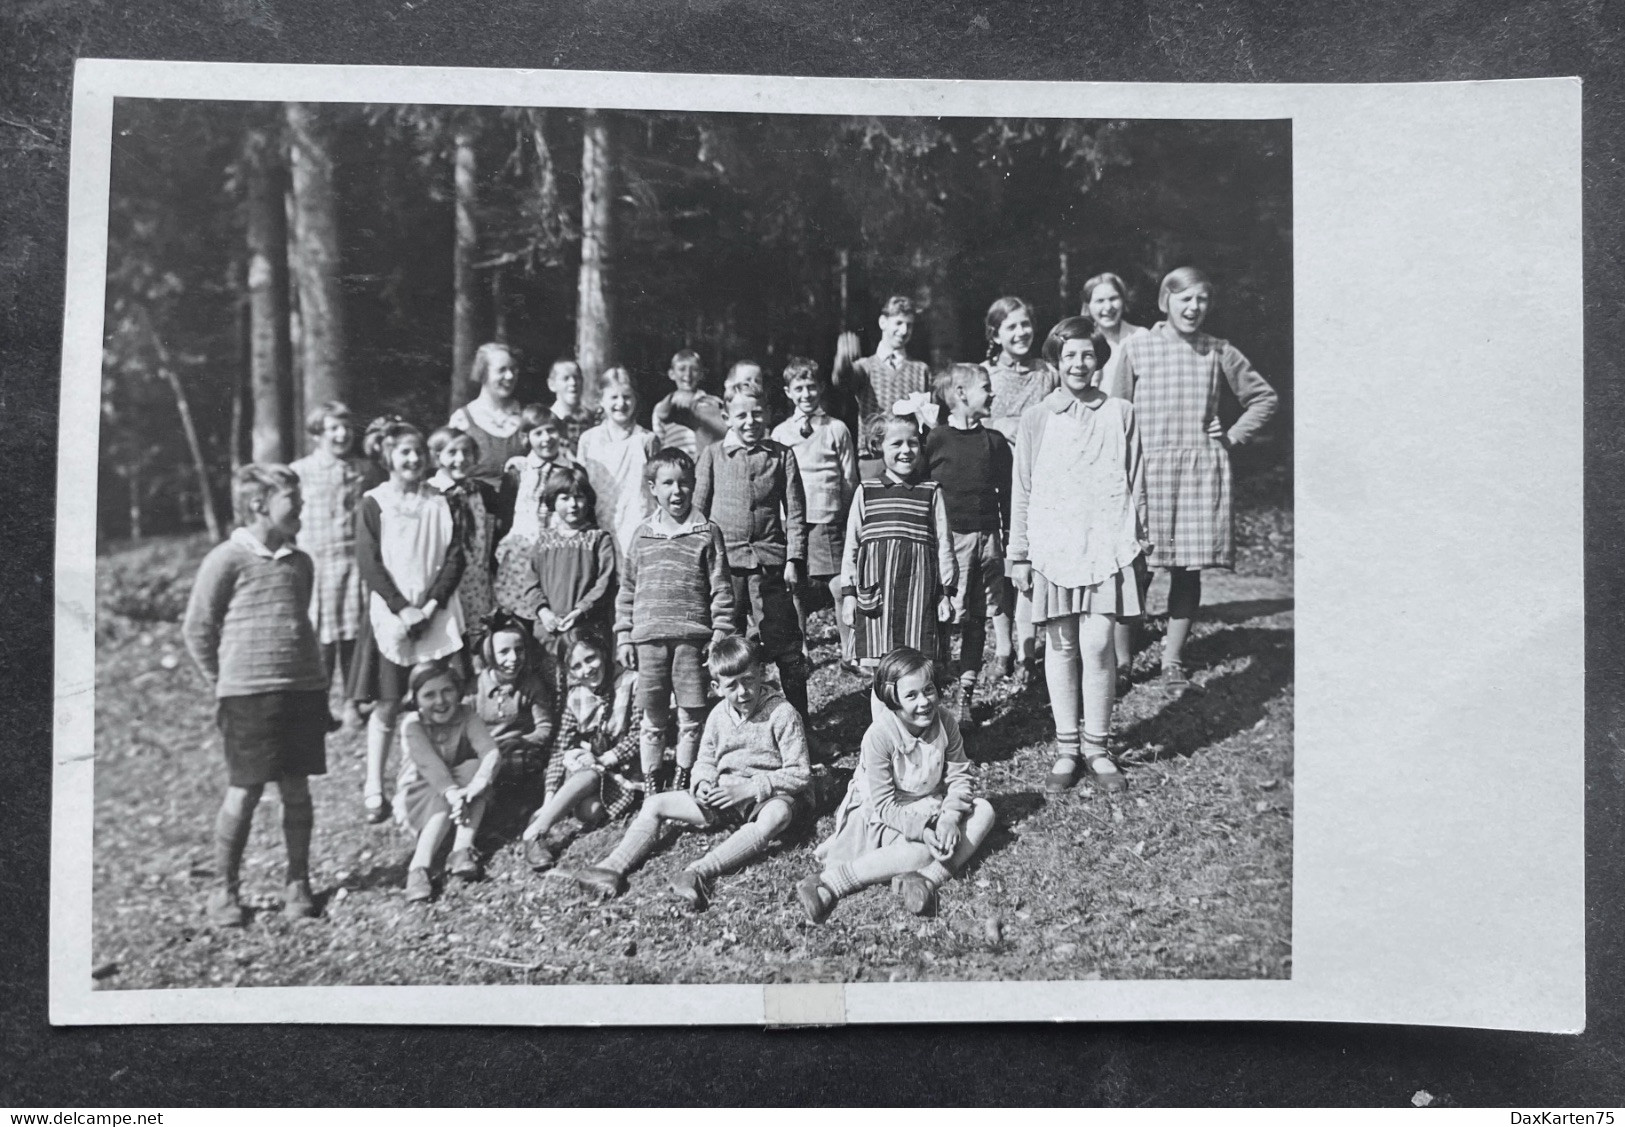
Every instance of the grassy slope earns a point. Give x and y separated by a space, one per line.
1187 876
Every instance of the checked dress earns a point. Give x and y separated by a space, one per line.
1173 382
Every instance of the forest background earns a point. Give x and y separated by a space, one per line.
266 256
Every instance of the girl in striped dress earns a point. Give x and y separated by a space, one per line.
898 570
1172 374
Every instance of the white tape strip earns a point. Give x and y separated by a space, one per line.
804 1003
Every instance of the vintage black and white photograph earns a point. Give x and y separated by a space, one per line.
574 546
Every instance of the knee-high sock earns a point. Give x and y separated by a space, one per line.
637 844
297 820
688 734
231 839
746 843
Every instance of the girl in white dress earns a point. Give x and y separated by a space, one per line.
1077 534
409 546
614 453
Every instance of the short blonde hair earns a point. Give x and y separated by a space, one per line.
618 378
256 481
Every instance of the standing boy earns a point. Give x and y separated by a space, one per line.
574 417
752 777
689 419
973 463
248 629
675 597
828 462
889 375
750 486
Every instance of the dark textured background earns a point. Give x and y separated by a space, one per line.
1128 40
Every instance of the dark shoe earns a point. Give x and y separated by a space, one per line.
655 781
298 902
693 889
224 909
853 668
816 898
463 865
919 895
606 882
1125 681
680 781
539 854
1174 678
419 888
376 807
1111 782
1004 664
1063 779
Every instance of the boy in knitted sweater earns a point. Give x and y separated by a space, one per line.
751 777
675 597
248 629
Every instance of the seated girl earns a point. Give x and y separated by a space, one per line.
909 816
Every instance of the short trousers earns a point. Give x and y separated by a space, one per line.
825 543
982 589
269 735
765 610
674 667
732 817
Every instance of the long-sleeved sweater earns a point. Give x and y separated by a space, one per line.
675 585
768 748
248 621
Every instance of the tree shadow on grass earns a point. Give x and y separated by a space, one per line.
1229 703
1244 610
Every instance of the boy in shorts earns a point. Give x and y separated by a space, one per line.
675 597
751 777
973 464
248 629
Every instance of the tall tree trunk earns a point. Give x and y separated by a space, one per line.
270 362
316 239
594 312
132 478
499 303
242 392
296 333
463 330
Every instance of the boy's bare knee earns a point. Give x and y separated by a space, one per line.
774 815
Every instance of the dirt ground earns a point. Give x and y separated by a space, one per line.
1187 875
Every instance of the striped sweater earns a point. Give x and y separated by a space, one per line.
248 622
675 585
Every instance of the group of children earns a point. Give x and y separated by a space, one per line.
558 593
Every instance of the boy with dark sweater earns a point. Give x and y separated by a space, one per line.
752 778
248 628
750 486
675 597
972 464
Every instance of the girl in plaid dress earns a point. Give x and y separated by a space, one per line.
1077 535
898 572
595 772
1019 378
1171 374
331 481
